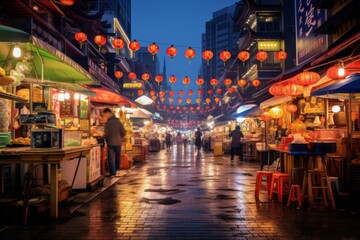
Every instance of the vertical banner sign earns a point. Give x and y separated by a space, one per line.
307 20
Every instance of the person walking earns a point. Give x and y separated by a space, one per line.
179 140
236 146
114 132
198 135
168 140
185 140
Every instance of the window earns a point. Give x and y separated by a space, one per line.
269 24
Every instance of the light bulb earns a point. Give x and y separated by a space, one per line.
67 96
341 70
335 109
16 51
61 97
76 96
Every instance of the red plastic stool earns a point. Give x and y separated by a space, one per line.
294 195
259 178
278 181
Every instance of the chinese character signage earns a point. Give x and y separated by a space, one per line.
308 18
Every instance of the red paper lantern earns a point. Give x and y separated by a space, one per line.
281 55
171 107
219 91
100 40
231 90
171 93
145 76
186 81
140 92
159 79
261 56
276 90
214 82
190 54
332 73
190 92
177 108
291 108
152 93
172 79
118 74
242 83
162 99
188 100
164 106
293 90
153 49
255 83
171 51
198 100
210 91
118 44
200 82
225 55
307 78
67 2
81 37
179 100
207 100
207 55
181 93
132 75
171 100
227 82
162 93
198 107
134 46
153 97
200 92
217 100
265 116
243 56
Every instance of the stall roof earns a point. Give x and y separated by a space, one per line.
104 95
48 63
242 110
275 101
139 113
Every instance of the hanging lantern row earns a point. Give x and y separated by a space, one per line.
186 81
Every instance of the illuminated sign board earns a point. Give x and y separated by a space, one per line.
133 85
269 45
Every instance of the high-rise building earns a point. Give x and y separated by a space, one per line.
219 35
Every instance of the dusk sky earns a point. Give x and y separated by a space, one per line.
175 22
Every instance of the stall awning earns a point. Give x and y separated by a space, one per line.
275 101
244 109
104 95
48 63
139 113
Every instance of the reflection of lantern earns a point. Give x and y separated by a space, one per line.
243 56
181 93
81 37
118 74
225 55
171 93
214 82
276 112
186 81
171 51
207 55
207 100
171 100
210 91
179 100
307 78
291 108
188 100
152 93
242 83
172 79
227 82
145 76
190 54
190 92
162 93
200 82
100 40
219 91
198 100
118 43
293 90
281 55
159 79
231 90
134 46
140 92
132 75
276 90
265 116
153 49
255 83
200 92
217 100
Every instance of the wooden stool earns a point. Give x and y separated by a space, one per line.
278 180
259 178
294 195
318 180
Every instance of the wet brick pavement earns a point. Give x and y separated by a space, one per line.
185 195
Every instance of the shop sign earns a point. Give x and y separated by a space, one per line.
269 45
133 85
307 20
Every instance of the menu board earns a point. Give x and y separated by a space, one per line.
66 108
83 106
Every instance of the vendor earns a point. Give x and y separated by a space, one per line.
236 146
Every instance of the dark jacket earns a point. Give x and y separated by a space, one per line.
236 137
114 131
168 138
